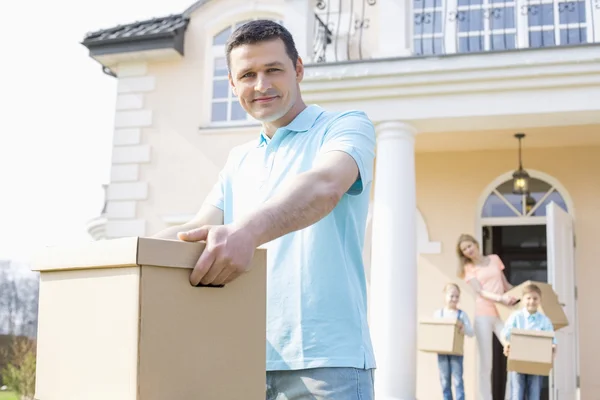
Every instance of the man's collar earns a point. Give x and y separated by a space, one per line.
302 123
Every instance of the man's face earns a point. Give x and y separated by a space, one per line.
265 79
532 301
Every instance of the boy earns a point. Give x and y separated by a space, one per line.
523 385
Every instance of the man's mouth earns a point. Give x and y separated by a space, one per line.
264 99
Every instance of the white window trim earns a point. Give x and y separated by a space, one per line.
451 35
518 220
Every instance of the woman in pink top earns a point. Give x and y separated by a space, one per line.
484 274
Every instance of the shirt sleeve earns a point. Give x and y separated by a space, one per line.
354 134
216 196
437 314
467 324
499 263
511 323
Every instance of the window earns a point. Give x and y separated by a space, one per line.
225 108
503 203
466 26
428 27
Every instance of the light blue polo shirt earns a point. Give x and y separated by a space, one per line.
316 288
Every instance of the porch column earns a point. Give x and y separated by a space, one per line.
393 294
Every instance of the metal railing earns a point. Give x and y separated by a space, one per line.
466 26
344 32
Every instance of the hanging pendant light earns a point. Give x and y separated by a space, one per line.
520 176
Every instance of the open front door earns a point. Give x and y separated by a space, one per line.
561 275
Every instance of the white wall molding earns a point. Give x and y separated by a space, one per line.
447 93
127 136
136 84
126 188
133 101
125 173
132 69
131 154
133 119
128 191
120 209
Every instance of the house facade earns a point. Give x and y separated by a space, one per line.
447 84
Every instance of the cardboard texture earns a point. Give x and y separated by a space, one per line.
530 352
550 306
119 320
441 336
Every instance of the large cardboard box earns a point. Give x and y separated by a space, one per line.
550 306
119 320
530 352
441 336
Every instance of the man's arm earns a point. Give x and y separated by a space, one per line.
207 215
344 165
304 200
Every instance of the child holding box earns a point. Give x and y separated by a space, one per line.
525 386
451 366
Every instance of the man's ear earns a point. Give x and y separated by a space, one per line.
299 70
233 88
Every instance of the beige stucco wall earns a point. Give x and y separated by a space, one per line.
448 188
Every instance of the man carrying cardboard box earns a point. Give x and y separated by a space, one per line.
525 386
302 190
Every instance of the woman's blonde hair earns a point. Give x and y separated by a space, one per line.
463 260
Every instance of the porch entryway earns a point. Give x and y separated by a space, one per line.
533 235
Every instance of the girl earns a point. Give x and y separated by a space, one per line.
484 274
451 366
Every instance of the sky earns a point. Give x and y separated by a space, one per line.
56 118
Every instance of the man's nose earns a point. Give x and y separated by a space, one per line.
262 83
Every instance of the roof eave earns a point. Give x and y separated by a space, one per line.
165 45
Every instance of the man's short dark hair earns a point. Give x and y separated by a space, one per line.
261 30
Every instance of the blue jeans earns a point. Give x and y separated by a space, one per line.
320 384
525 387
451 369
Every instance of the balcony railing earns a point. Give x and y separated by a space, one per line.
346 30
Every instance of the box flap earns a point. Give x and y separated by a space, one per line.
526 332
123 252
549 306
100 254
168 253
438 321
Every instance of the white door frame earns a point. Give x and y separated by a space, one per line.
480 221
505 221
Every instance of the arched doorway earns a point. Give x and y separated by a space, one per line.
522 231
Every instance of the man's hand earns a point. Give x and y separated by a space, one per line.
227 255
507 349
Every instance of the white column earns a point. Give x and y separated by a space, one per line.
395 26
300 21
393 294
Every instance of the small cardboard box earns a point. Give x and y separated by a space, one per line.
441 336
530 352
119 320
550 306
